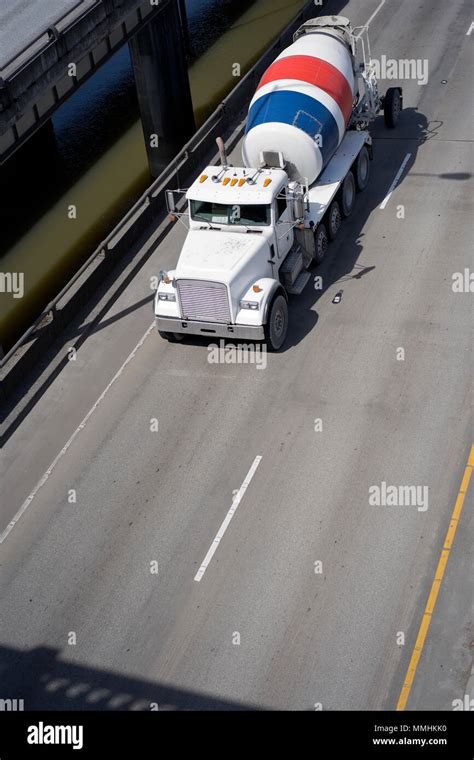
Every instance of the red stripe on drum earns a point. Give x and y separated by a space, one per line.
315 71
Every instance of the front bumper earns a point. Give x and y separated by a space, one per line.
210 329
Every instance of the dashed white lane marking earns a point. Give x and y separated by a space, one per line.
227 519
53 464
395 181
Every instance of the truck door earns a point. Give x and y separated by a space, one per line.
283 227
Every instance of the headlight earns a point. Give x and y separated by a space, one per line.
249 305
167 296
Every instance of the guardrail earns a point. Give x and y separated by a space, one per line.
53 33
36 81
143 212
49 34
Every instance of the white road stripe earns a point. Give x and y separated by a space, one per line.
395 181
366 25
227 519
53 464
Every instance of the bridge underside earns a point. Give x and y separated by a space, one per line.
36 81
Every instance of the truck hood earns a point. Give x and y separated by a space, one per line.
218 255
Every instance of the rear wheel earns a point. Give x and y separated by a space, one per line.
362 169
334 219
320 243
171 337
277 324
392 106
347 196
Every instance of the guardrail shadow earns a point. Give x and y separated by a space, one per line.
45 682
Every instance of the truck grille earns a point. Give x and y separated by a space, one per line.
204 301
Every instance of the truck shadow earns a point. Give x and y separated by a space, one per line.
341 262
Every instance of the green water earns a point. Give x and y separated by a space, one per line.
53 245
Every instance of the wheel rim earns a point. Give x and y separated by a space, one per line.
322 245
335 220
279 322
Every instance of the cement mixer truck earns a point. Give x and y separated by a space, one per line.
255 230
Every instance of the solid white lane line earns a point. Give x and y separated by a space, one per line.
227 519
372 17
53 464
395 181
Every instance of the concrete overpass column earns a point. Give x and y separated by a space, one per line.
161 76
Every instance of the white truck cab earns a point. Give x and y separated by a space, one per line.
253 234
241 230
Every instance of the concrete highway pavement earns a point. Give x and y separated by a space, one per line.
263 627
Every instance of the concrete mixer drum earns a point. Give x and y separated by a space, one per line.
319 87
367 102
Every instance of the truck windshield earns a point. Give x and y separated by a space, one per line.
221 213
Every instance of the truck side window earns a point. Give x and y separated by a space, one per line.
281 207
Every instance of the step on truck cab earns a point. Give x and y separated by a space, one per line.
255 230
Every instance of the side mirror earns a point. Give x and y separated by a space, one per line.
170 202
297 207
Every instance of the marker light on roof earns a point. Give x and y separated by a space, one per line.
233 182
203 178
241 182
266 182
226 180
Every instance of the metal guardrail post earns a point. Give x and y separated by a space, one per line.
53 33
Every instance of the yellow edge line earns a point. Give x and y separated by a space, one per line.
435 586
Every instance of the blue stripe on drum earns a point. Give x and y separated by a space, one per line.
299 110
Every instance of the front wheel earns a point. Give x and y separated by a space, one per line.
277 324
